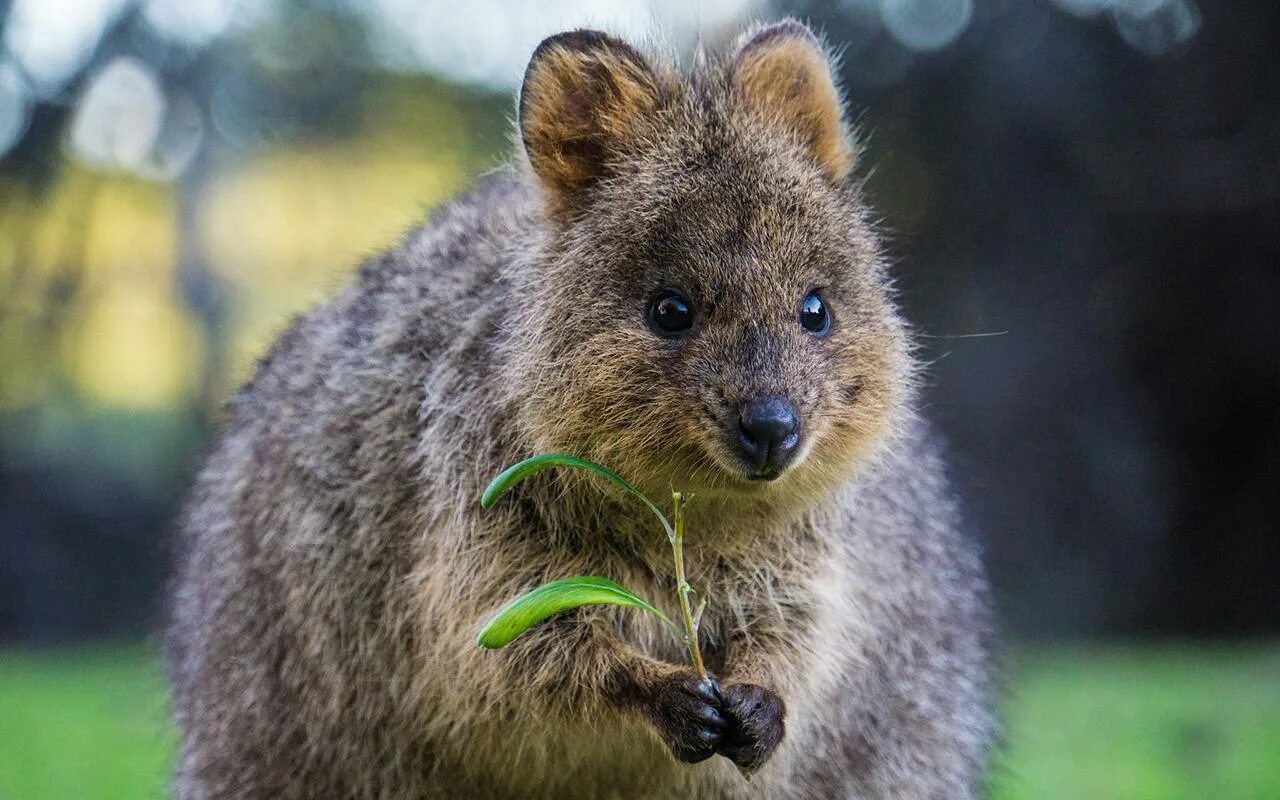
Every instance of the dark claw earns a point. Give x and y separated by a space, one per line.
708 690
686 713
712 718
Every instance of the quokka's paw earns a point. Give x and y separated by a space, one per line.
756 724
685 709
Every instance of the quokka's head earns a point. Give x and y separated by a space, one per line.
708 308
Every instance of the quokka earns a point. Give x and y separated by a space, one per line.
679 279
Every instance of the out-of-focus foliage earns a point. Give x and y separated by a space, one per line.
1095 181
89 265
94 260
164 210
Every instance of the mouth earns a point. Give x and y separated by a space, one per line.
749 465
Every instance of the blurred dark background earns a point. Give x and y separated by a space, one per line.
1083 196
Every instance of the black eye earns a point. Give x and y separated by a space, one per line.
669 314
813 315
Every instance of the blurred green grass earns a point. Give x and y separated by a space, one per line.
1097 723
1142 723
83 723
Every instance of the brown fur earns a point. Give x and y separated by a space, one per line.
783 73
337 564
585 97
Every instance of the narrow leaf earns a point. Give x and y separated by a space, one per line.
552 598
518 472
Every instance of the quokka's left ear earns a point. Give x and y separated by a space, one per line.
587 99
782 73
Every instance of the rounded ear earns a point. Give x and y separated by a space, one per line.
586 97
783 74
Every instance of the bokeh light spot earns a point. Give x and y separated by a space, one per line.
1160 28
1083 8
52 39
15 107
190 22
119 117
926 24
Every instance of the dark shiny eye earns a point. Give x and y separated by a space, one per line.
813 315
670 314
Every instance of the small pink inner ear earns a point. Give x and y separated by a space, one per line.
783 75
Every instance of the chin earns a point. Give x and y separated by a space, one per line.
738 478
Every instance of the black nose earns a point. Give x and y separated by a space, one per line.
768 432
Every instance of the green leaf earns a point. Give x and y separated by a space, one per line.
518 472
552 598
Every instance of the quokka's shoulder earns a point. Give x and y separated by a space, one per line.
480 224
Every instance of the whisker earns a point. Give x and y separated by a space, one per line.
962 335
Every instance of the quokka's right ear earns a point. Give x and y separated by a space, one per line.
586 98
783 74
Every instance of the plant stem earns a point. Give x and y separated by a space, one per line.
683 589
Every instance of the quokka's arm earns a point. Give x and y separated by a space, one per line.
571 666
